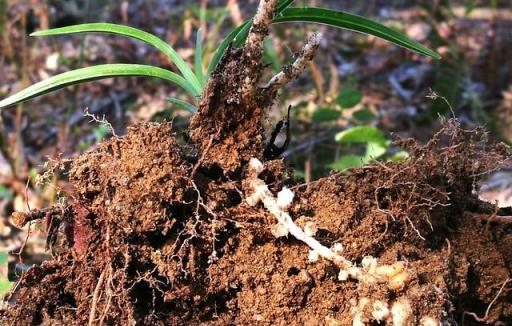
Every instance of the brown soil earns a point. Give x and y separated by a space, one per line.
158 247
158 233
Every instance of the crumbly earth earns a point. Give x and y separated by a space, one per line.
157 238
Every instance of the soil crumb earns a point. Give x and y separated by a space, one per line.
157 235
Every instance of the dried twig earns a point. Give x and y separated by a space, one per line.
293 71
259 28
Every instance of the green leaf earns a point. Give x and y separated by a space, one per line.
183 104
240 34
361 134
198 56
349 97
399 156
375 150
133 33
352 22
363 115
347 162
94 73
325 115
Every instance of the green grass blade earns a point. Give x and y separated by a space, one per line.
94 73
352 22
184 104
133 33
238 34
198 56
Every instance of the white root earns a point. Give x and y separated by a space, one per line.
395 275
429 321
380 310
401 312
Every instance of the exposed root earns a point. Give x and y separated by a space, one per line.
395 275
101 121
95 298
291 72
486 315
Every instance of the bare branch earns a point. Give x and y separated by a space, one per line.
259 28
294 71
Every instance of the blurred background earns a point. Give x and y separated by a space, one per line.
356 85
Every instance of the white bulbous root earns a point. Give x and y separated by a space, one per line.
380 310
401 312
429 321
284 198
394 276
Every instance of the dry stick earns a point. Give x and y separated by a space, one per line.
96 294
259 28
293 71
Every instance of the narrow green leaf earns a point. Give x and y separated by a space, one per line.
270 55
361 134
239 34
352 22
94 73
198 57
184 104
133 33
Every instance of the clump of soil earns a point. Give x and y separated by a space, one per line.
156 237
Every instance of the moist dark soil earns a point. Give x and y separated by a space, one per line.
156 237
